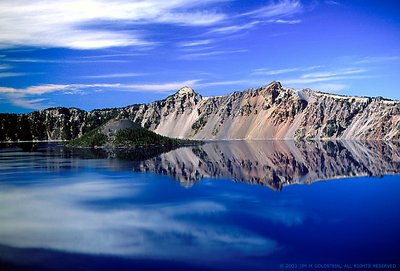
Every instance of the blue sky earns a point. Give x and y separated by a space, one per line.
100 53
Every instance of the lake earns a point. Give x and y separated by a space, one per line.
259 205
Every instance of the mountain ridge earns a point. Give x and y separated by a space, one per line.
268 112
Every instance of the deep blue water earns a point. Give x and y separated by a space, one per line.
60 210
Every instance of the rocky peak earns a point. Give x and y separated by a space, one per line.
185 94
186 91
271 91
275 85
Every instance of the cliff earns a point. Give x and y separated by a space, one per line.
269 112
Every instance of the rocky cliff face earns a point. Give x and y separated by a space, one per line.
269 112
274 112
54 123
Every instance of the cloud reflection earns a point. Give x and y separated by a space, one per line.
72 215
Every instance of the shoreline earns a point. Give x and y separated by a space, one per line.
227 140
33 141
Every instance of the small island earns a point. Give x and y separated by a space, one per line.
124 139
125 134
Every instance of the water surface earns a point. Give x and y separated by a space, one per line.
220 206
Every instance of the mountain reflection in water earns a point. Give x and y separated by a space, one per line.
277 164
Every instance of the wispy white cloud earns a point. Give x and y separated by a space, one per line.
30 60
114 75
190 18
71 61
234 28
159 87
115 55
195 43
267 71
211 53
332 76
280 21
329 74
80 24
273 72
332 2
376 59
305 81
366 61
11 74
24 102
329 87
5 67
186 50
34 90
279 12
222 83
278 9
341 78
65 23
